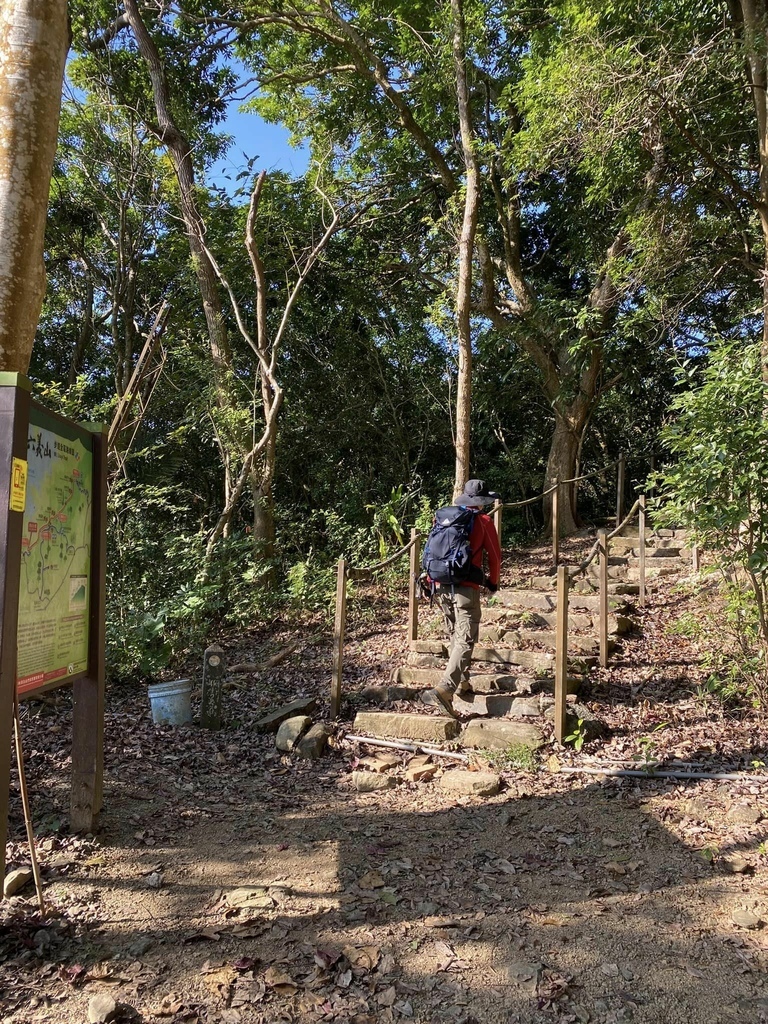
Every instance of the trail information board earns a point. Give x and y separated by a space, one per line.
52 638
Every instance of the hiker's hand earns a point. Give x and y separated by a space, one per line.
492 587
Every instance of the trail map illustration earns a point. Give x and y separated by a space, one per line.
55 553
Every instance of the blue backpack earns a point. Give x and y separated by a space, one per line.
447 557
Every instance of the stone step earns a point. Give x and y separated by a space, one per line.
654 567
498 706
662 534
624 588
653 571
482 682
576 644
501 734
576 620
387 725
541 601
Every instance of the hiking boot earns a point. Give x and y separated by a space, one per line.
444 698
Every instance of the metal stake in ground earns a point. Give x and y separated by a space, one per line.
27 809
213 679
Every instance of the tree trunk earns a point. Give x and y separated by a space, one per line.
466 254
561 464
34 38
180 152
263 516
749 21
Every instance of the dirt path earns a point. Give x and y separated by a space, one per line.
563 898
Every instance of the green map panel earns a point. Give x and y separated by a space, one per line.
56 553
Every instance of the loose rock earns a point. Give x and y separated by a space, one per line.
523 975
744 814
15 881
101 1007
471 783
314 743
371 782
290 732
746 919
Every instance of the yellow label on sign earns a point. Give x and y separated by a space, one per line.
18 485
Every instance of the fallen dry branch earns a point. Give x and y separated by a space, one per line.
265 666
413 748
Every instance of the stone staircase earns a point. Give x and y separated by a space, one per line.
511 693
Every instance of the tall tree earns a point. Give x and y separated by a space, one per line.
34 36
555 272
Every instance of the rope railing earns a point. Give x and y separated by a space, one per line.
346 572
365 572
559 483
583 566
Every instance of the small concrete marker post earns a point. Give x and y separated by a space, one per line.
213 679
602 541
339 624
555 522
413 592
641 552
561 656
620 475
695 559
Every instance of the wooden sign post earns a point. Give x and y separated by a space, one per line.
53 503
213 679
14 417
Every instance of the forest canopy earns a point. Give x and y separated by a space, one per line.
523 230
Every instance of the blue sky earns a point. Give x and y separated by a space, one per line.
253 137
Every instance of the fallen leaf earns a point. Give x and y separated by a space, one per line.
280 982
370 880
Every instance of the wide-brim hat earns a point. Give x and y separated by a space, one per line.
476 494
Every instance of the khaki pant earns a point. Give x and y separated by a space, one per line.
461 611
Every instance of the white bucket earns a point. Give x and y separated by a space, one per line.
171 703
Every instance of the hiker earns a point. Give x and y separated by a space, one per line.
453 559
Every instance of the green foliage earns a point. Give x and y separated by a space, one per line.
578 736
311 585
687 625
715 487
516 757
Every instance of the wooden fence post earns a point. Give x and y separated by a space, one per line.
561 655
413 590
555 522
695 557
497 509
620 475
602 540
339 623
641 551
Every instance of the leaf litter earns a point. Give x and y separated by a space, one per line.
406 904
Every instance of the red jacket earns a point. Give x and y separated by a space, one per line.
484 538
